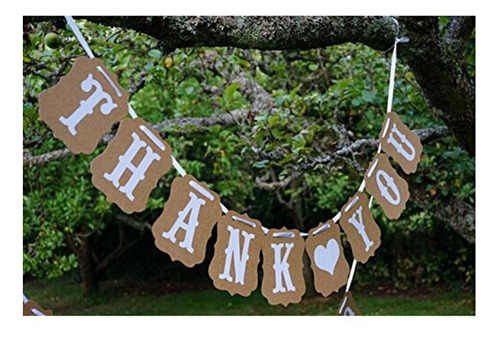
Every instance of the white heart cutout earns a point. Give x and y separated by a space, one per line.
326 258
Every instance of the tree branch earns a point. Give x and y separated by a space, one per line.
186 126
443 75
254 32
460 215
426 135
439 69
459 31
120 249
263 182
122 219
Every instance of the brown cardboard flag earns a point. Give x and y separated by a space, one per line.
327 258
31 308
399 142
348 307
187 220
388 188
363 234
283 281
237 254
83 105
130 167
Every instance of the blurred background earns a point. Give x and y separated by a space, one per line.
268 131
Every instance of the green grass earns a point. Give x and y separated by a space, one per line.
65 298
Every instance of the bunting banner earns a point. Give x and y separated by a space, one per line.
32 308
363 234
86 102
348 307
283 281
237 254
329 265
93 101
130 167
388 188
186 223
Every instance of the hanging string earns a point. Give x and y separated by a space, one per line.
181 170
390 96
79 36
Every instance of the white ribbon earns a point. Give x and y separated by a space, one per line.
390 96
79 36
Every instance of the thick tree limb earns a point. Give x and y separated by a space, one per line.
264 183
460 215
459 31
195 124
257 32
439 68
426 135
122 219
443 76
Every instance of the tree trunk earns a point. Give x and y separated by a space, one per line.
87 270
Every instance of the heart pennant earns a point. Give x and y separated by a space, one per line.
327 258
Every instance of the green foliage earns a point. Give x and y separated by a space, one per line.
319 95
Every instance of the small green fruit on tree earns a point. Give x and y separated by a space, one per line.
53 40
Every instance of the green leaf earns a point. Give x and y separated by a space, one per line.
155 53
261 164
230 90
312 67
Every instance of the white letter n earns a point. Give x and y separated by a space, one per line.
233 254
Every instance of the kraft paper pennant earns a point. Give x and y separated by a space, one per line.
348 307
31 308
83 105
326 254
399 142
187 220
283 281
388 188
237 254
130 167
363 234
